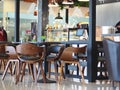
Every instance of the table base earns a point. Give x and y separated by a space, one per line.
47 81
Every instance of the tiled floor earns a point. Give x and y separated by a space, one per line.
67 84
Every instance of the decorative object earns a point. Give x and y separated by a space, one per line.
43 38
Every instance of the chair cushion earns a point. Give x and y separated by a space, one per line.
4 55
27 57
51 56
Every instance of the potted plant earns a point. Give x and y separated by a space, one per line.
43 37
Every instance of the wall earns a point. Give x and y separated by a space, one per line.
107 14
76 15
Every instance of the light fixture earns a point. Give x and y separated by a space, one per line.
58 17
83 0
35 10
68 2
53 3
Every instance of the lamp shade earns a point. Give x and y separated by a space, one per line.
84 0
58 17
68 2
53 3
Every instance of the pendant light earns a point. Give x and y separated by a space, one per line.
53 3
83 0
68 2
58 17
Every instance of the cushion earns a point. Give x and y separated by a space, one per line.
4 55
27 57
51 56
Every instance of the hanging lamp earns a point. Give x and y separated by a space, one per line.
58 17
68 2
83 0
53 3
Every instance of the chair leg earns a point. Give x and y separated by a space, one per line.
38 74
56 71
61 71
5 71
49 69
23 71
35 75
81 72
31 70
83 69
10 67
42 71
14 67
4 63
18 69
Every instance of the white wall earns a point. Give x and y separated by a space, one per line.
107 14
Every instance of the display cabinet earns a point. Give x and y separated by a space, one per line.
57 35
66 34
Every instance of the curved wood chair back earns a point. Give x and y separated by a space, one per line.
69 52
10 50
27 49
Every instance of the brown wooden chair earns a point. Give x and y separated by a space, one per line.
82 56
12 62
31 54
54 53
3 56
68 57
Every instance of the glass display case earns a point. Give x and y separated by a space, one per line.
57 35
66 34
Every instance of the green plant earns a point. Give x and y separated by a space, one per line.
76 4
43 37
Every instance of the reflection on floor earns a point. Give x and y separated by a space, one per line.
67 84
